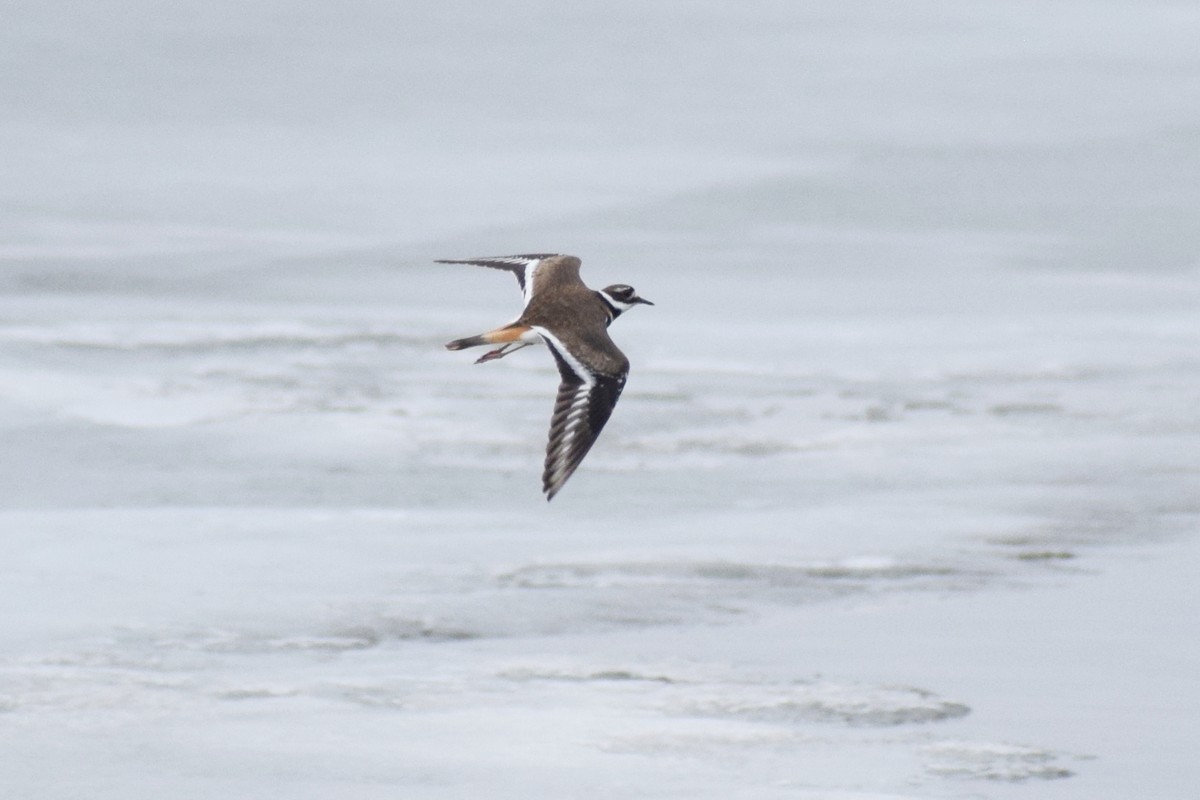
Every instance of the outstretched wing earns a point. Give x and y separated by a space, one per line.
591 385
524 267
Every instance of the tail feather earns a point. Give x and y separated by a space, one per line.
470 341
506 335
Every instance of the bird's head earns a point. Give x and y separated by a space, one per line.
622 297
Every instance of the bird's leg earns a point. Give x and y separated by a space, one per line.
492 355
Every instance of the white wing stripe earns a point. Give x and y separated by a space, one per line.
574 418
530 272
527 267
582 372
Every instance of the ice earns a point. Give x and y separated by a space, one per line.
901 500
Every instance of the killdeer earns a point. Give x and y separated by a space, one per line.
572 320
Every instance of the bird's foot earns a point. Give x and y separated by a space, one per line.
491 355
501 352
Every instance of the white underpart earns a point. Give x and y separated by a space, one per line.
579 402
531 336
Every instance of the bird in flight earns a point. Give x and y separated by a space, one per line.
572 320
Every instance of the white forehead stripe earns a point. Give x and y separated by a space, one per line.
615 303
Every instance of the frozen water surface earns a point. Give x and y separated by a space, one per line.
901 500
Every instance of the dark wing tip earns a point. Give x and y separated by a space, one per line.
580 414
488 260
587 395
518 265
